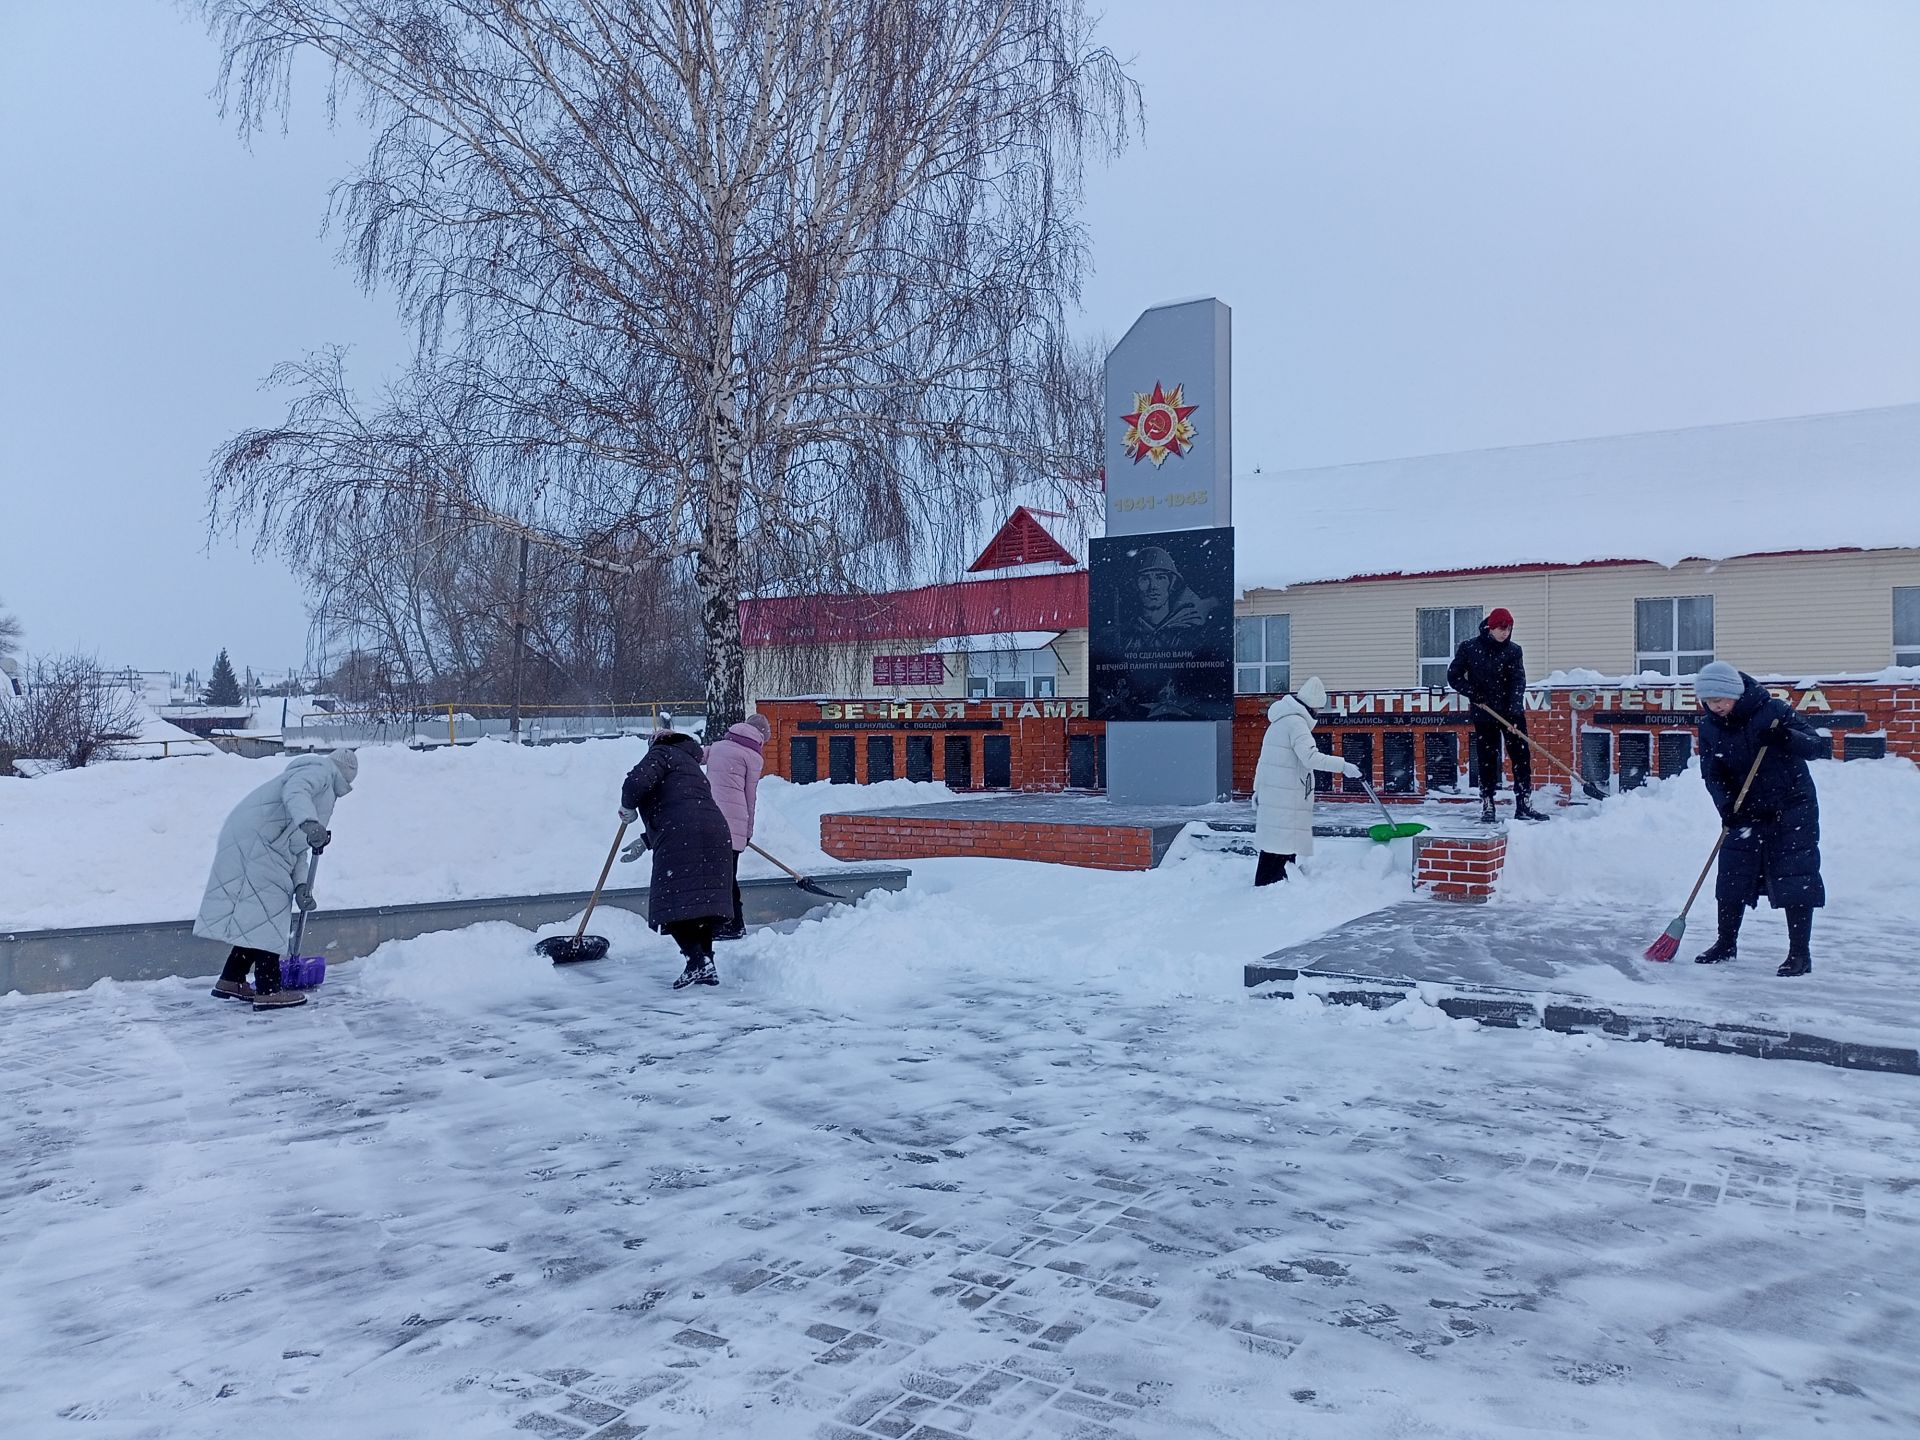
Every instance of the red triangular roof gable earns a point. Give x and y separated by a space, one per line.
1023 540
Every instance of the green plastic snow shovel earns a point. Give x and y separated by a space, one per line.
1393 829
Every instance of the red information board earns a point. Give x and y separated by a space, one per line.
908 670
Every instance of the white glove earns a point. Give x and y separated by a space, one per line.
635 849
1350 770
627 817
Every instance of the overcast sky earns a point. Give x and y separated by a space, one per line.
1440 226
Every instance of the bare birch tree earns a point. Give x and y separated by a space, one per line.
770 285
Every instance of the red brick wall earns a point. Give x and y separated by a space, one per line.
1894 709
919 837
1039 741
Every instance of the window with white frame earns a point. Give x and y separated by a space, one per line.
1263 654
1437 634
1673 635
1012 674
1906 624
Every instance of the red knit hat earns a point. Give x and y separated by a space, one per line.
1501 619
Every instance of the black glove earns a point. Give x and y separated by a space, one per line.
317 835
303 896
635 850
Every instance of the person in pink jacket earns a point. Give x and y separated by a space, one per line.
734 763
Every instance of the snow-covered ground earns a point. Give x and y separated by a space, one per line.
127 842
1007 1154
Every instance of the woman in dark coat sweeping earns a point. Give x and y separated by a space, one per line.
691 892
1773 847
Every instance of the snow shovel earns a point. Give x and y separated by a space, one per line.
297 971
1591 790
1393 829
802 881
1668 945
579 946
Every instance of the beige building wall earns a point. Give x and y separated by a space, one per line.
1782 614
847 670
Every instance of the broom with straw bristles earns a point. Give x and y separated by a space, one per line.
1668 945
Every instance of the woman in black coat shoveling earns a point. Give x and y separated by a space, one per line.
1773 843
691 892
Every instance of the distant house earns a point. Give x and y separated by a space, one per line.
1787 547
1015 628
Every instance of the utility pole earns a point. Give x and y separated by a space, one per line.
519 641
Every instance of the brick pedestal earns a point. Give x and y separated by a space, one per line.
1459 867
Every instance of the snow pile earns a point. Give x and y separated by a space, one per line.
966 926
116 844
1645 847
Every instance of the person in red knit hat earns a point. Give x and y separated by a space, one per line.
1489 671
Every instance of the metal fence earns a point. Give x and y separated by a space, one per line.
457 723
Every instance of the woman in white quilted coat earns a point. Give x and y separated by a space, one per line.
260 867
1283 781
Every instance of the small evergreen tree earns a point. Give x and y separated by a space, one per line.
223 687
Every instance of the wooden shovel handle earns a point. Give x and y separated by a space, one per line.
594 899
1725 830
1532 744
781 863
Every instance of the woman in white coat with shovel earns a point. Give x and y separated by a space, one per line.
1283 781
261 866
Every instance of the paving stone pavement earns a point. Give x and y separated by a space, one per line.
594 1211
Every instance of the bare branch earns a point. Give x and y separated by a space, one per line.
778 288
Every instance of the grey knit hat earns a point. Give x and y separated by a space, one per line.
1719 681
347 763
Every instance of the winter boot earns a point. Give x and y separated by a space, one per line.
731 933
699 971
267 994
1523 806
1799 941
224 989
1726 946
1487 817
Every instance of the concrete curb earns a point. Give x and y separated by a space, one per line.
1575 1015
43 961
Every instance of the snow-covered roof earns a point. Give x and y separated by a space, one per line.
1816 482
981 644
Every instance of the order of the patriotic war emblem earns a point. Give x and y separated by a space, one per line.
1159 425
